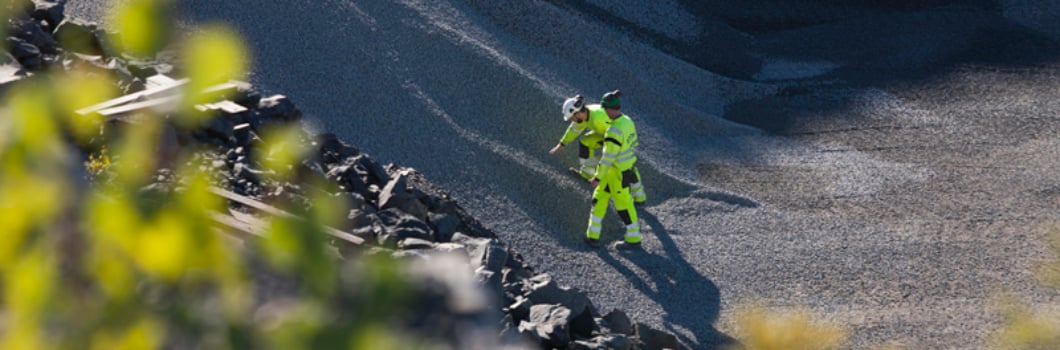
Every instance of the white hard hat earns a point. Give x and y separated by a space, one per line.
572 105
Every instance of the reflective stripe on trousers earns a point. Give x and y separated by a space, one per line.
638 192
595 223
633 232
611 189
588 167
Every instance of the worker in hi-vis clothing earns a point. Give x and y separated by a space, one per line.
590 122
615 175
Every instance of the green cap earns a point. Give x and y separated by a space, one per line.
611 100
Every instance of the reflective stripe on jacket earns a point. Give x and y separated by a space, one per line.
620 143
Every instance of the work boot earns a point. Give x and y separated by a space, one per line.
626 246
593 243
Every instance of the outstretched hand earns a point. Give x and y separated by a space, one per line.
559 147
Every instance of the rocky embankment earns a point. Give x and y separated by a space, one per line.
395 209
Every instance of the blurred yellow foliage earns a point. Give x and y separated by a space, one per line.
81 88
135 157
33 132
27 203
141 25
213 55
1049 273
143 334
760 329
119 265
1028 329
283 150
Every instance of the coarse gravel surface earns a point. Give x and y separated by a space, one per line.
891 169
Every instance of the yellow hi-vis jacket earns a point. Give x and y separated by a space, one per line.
619 144
597 123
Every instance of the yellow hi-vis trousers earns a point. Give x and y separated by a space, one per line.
610 189
637 189
587 156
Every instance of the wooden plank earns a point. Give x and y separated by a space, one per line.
225 88
158 104
250 202
256 222
225 105
231 107
160 86
236 224
343 235
133 97
159 80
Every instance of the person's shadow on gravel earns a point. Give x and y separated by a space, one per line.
691 301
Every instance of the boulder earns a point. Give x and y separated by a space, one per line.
377 175
21 49
332 150
603 342
349 177
364 224
618 322
490 281
255 119
543 290
549 324
415 243
394 190
513 277
131 86
220 128
396 194
279 108
76 35
141 69
31 32
247 97
243 134
444 225
28 55
10 70
48 13
245 171
355 201
510 333
654 339
520 309
398 225
489 254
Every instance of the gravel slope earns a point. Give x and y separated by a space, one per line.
890 170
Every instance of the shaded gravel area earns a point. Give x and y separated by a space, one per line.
947 212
